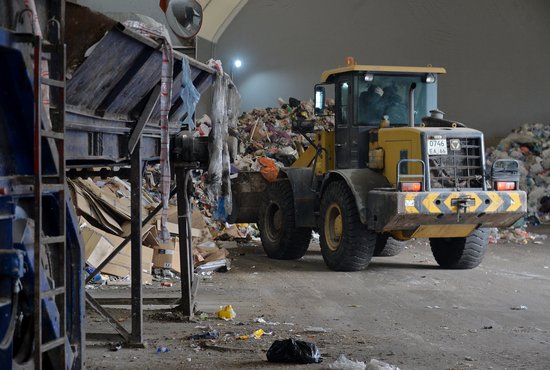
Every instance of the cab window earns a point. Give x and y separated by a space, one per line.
388 95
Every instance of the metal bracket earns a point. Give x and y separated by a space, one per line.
462 204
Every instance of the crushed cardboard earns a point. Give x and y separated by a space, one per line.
104 207
99 245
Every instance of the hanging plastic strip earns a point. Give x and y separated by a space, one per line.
160 34
189 95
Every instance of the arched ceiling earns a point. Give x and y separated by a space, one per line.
217 15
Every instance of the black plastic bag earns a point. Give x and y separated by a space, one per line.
294 351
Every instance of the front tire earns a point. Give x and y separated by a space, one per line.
386 246
346 243
281 238
461 253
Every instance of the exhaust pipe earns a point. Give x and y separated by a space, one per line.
411 104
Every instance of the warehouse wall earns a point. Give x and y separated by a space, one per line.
495 51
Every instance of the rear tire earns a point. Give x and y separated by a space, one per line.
346 243
386 246
461 253
281 238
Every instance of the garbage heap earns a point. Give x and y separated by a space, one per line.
530 146
104 210
259 134
267 132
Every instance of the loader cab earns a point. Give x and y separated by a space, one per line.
367 95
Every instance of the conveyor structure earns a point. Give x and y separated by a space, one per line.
103 114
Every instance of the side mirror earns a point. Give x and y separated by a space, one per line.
319 99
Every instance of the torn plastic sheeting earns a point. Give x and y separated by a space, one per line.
343 363
218 184
375 364
190 96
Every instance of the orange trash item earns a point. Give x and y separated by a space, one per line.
269 170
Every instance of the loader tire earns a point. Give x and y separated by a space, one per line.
461 253
281 238
386 246
346 243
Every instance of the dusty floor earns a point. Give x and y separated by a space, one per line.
402 310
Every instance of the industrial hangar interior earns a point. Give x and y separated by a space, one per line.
246 184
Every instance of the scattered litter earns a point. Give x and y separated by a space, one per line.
468 358
515 235
487 327
167 284
519 308
375 364
343 363
98 279
226 313
163 349
314 329
258 333
114 347
294 351
214 334
261 320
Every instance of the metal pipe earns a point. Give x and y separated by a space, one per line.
411 104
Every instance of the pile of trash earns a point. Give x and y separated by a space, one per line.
262 140
268 132
530 146
515 235
103 207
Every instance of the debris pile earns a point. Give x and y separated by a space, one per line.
530 146
103 206
267 132
515 235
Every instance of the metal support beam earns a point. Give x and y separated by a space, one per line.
184 226
143 118
136 270
107 316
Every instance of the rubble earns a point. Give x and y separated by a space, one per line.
530 146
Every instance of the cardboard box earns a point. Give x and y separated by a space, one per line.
99 245
163 255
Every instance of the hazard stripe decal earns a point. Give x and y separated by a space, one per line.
477 202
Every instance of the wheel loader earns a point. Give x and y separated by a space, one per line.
393 169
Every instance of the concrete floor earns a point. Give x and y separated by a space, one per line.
403 310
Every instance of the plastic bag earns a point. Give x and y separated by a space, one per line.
269 170
343 363
226 313
294 351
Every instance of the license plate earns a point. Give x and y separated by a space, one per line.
437 147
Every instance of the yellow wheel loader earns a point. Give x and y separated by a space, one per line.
394 168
